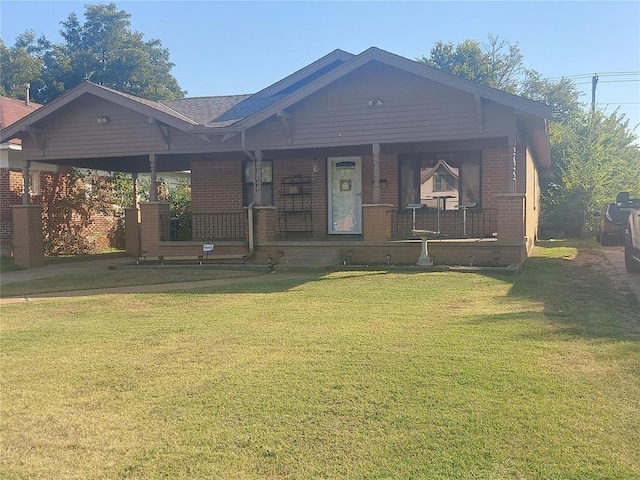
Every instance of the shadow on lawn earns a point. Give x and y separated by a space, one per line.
580 292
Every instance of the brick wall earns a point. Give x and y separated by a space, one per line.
219 186
10 194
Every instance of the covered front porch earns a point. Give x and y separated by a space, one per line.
386 238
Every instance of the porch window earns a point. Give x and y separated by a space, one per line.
249 178
440 180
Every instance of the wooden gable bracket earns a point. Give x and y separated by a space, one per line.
285 118
36 135
479 113
228 136
163 129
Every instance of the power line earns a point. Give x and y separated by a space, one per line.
609 81
589 75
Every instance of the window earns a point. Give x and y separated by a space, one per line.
439 180
249 182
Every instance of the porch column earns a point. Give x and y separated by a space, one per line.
376 173
132 232
266 224
511 218
28 242
376 222
26 182
153 188
136 193
151 227
257 198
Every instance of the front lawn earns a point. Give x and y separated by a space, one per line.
353 375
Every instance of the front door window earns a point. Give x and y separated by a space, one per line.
345 195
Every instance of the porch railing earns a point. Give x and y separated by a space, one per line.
479 223
204 227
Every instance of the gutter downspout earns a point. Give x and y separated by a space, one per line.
252 204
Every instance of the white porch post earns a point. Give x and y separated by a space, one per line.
376 173
136 198
153 189
26 182
258 178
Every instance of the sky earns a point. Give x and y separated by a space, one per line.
239 47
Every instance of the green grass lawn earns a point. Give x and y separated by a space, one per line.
353 375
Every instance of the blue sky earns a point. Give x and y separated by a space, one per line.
222 48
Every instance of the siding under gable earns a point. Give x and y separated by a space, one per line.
412 109
73 132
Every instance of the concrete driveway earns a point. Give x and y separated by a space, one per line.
615 255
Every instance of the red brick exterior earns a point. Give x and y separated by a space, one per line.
132 232
27 236
10 194
150 227
376 220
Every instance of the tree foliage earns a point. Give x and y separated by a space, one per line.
594 157
497 64
103 50
70 201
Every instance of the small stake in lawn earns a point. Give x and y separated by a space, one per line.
207 248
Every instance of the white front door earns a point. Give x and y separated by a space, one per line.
345 195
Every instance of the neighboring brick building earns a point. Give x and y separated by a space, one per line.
11 163
328 165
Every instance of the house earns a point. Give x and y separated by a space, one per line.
339 162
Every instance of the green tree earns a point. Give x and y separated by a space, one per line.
498 64
594 157
20 65
103 50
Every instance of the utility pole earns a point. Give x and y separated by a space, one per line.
594 82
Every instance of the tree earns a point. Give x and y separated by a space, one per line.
103 50
497 64
69 201
594 157
20 65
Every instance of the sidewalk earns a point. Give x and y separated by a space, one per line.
155 288
103 264
65 268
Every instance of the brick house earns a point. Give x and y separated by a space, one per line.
342 161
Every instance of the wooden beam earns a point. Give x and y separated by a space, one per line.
285 118
163 129
479 113
36 135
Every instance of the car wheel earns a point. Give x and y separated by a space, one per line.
630 262
604 240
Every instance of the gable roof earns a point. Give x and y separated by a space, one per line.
375 54
235 113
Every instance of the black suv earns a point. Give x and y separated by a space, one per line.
632 232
